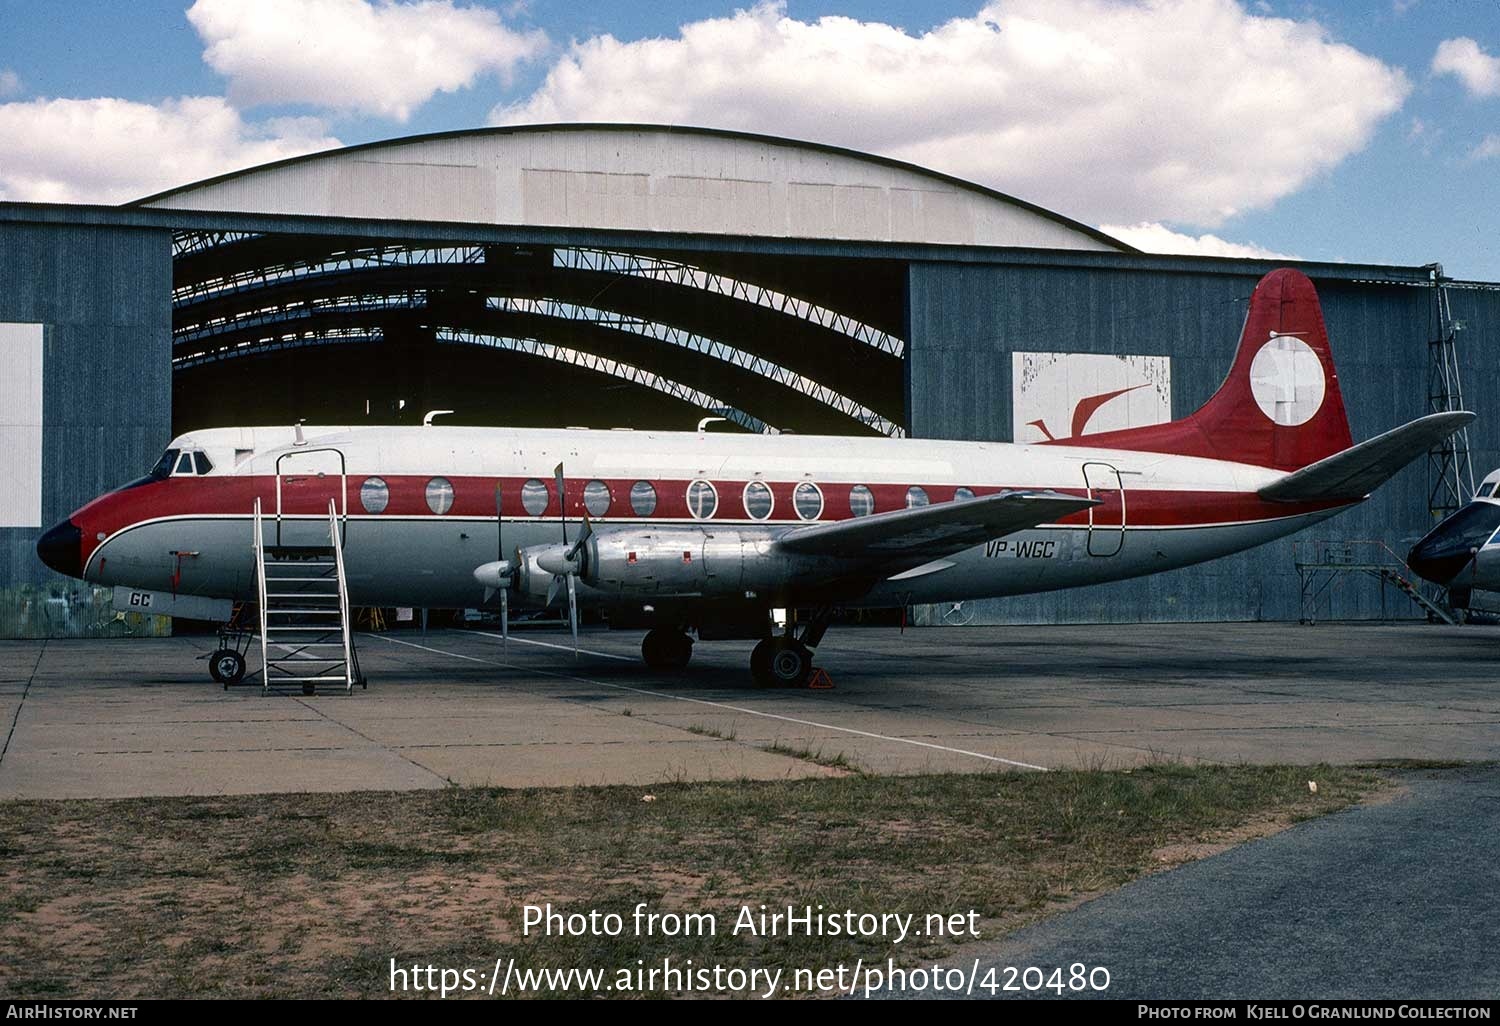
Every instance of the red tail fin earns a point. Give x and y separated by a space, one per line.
1280 407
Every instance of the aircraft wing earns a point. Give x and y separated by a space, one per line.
928 532
1360 469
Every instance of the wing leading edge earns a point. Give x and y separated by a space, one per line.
913 536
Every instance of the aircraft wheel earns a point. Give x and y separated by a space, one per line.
666 650
227 666
760 662
789 663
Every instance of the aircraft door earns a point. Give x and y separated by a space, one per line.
305 482
1106 522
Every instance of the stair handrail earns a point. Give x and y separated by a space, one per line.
338 558
260 591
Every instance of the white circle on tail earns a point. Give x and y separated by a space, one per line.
1287 380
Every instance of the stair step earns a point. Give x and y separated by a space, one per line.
303 612
341 681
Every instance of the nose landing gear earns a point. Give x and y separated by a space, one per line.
227 667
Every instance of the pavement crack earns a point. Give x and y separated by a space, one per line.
21 704
365 737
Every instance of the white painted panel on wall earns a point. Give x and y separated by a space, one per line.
1064 395
20 425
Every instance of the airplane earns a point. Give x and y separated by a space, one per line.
703 532
1462 553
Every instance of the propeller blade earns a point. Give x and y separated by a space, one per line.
499 526
584 536
573 611
505 620
553 588
562 499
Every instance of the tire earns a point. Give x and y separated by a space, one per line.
227 667
760 662
666 650
790 663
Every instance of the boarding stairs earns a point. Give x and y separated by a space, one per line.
1322 566
305 633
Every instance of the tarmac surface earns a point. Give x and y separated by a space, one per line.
114 718
1398 900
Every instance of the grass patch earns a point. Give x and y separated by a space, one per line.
312 895
839 761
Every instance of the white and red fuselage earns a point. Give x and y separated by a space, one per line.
418 507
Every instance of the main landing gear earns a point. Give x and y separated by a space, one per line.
666 649
786 661
780 661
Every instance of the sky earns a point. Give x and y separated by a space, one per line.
1339 130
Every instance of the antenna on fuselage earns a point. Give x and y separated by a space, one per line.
297 432
427 420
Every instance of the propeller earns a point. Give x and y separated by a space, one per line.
505 574
563 563
569 572
497 576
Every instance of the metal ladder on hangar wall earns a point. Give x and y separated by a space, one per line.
304 611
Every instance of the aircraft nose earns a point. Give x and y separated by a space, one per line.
61 548
1437 559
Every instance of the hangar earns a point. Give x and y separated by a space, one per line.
649 276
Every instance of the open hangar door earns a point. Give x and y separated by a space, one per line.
275 328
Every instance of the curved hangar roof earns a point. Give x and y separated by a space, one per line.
639 177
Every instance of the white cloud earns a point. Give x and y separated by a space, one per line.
1463 57
1488 147
384 58
1152 237
10 83
1172 110
109 150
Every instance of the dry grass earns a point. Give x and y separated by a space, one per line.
312 895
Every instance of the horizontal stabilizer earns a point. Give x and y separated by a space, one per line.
914 536
1360 469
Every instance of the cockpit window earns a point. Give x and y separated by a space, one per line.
1486 490
180 463
165 464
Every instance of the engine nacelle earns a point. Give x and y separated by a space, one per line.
689 562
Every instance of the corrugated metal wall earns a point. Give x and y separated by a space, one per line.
966 319
103 296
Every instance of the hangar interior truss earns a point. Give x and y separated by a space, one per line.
635 338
